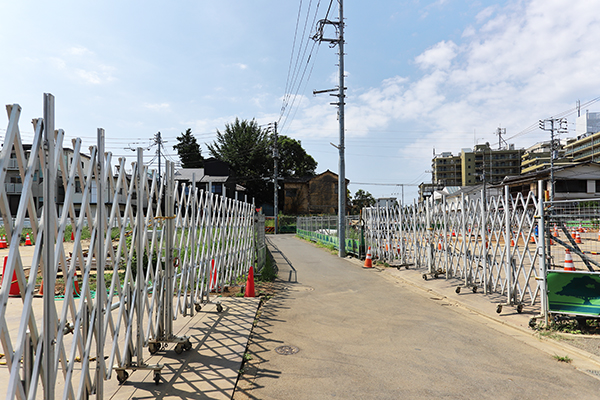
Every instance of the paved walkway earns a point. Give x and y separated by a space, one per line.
349 333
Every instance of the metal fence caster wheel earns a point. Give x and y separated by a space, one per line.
153 348
435 276
122 376
520 308
178 348
187 345
219 308
474 289
532 323
499 308
424 276
457 290
157 377
198 307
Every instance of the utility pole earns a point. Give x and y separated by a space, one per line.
275 176
500 132
339 41
158 141
558 125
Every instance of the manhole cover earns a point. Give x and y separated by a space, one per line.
286 350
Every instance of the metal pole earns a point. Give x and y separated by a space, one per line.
342 166
275 177
140 256
101 260
49 334
542 250
169 267
507 245
552 160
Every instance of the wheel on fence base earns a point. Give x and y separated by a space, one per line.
187 345
198 307
425 276
153 348
219 308
157 377
532 323
457 290
520 308
474 289
499 308
122 376
435 276
178 348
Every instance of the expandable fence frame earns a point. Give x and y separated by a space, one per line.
495 243
156 252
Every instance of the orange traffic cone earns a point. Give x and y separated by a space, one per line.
555 231
512 242
573 233
368 260
440 245
250 284
569 261
27 240
599 236
14 284
577 238
453 233
532 240
72 236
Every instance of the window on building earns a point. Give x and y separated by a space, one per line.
571 186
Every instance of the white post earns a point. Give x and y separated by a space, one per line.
542 250
49 325
100 266
484 241
140 256
508 259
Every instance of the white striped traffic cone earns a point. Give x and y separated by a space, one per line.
569 261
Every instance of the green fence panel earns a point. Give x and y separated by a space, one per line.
574 292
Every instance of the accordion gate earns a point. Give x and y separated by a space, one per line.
155 253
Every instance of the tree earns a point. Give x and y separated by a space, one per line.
189 151
362 199
248 150
585 288
293 159
245 147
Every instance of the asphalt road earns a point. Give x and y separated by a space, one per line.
361 336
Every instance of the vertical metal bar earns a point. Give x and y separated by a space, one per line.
194 201
49 239
100 266
445 233
140 256
484 241
508 258
27 361
169 267
463 229
542 249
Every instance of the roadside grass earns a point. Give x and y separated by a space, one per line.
565 359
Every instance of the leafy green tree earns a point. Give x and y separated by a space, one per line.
245 147
188 150
362 199
293 159
248 150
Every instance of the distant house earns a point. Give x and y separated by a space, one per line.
216 177
575 181
312 194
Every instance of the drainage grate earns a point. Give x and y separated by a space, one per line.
286 350
594 372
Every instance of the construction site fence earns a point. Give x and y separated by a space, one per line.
503 244
76 313
324 230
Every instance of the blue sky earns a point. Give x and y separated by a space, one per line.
420 74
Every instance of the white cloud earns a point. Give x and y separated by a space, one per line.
79 51
438 56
